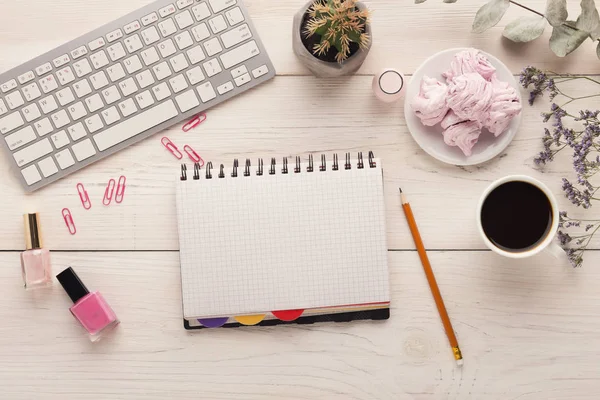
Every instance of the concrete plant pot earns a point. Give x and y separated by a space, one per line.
326 69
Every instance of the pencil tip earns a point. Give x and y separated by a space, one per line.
400 190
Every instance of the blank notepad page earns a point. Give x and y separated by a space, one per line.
254 244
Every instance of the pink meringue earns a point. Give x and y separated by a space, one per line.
430 105
464 135
469 96
451 119
470 60
504 106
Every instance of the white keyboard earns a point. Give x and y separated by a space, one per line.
125 81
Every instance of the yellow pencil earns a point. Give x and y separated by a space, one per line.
435 290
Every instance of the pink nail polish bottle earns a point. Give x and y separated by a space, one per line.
90 309
35 260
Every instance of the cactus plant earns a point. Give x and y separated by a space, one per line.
338 23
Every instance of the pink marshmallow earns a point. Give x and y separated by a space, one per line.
430 105
504 106
464 135
467 61
469 96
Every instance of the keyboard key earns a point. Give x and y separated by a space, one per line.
184 40
206 92
224 88
114 35
93 123
82 67
43 127
239 71
150 56
150 35
184 3
82 88
31 91
128 87
94 102
136 125
10 122
167 48
127 107
217 24
178 83
133 43
31 175
65 96
212 67
31 112
43 69
20 138
8 86
33 152
149 19
60 119
48 84
184 19
115 72
144 99
65 75
234 16
99 59
162 70
145 79
116 52
195 54
200 32
167 27
79 52
242 80
96 44
83 150
133 64
77 131
187 101
195 75
161 91
14 100
3 108
48 104
220 5
77 111
60 61
48 167
239 54
168 10
212 47
59 139
236 35
179 63
64 159
111 94
99 80
110 115
132 27
201 11
26 77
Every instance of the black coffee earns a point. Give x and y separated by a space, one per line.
516 216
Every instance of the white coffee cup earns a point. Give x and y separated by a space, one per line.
547 243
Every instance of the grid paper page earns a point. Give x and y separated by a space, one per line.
285 241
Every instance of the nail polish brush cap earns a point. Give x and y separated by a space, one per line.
33 237
72 284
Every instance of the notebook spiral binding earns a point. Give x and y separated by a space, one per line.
273 167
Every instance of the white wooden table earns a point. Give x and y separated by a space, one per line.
528 329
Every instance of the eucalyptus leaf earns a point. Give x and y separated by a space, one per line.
598 50
448 1
525 29
489 15
420 1
565 39
589 19
595 35
556 12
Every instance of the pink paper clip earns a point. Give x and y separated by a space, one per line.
108 193
171 147
193 155
194 122
120 189
66 213
83 195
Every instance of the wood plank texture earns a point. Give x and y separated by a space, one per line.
528 330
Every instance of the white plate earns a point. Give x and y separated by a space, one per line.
430 137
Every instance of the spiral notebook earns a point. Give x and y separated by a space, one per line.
268 244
